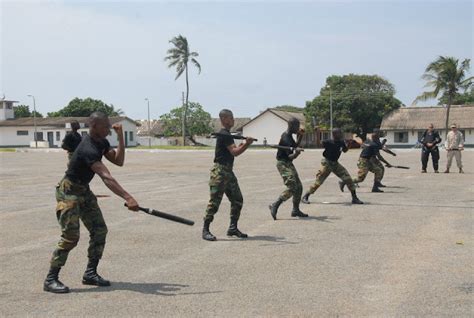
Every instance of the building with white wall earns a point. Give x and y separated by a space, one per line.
404 127
51 131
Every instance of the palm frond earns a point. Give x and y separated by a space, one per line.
425 96
180 69
196 63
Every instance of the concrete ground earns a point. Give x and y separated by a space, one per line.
406 252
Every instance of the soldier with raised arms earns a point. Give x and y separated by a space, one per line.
223 180
75 201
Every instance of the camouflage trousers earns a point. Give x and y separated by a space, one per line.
373 165
292 181
77 202
328 166
223 181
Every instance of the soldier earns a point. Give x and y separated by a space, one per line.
75 201
430 140
331 154
72 139
287 170
454 145
369 160
223 180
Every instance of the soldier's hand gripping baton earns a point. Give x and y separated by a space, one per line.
233 136
164 215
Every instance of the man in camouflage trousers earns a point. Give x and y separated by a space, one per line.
223 180
369 160
330 163
75 201
287 170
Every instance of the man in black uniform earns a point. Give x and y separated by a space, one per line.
287 170
75 201
332 152
430 140
223 180
72 139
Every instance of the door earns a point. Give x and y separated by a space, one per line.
126 139
50 139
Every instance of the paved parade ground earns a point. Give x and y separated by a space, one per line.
406 252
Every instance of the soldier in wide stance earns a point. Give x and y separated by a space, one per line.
287 170
223 180
75 201
332 152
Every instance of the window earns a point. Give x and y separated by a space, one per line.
9 105
39 136
22 133
420 134
401 136
130 134
84 133
58 136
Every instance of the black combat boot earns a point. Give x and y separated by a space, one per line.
355 199
460 170
341 185
296 212
274 208
52 283
206 234
234 231
376 188
380 185
305 198
91 277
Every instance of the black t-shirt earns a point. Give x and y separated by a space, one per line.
333 149
86 154
370 149
288 141
223 155
71 141
430 137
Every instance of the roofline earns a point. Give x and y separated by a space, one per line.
271 110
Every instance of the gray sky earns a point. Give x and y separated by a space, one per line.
253 54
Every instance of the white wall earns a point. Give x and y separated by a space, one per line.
267 125
413 137
9 137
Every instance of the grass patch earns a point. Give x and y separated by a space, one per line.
175 147
7 150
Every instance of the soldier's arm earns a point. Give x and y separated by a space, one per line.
101 170
66 143
238 150
117 157
379 156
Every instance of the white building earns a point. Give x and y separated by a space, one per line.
403 127
51 131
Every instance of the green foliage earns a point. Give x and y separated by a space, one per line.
199 121
289 108
85 107
466 98
359 103
24 111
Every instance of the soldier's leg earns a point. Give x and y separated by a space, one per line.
297 191
435 159
287 174
217 185
233 193
321 176
363 166
424 159
342 173
93 220
457 155
378 175
450 156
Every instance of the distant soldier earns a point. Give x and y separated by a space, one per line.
72 139
369 160
430 139
454 145
223 180
287 170
75 201
332 152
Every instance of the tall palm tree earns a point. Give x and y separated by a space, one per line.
179 56
446 77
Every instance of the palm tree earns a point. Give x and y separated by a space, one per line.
179 56
446 77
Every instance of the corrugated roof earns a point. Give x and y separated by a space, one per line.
54 121
408 118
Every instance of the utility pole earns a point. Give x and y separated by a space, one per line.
330 107
149 125
183 119
34 119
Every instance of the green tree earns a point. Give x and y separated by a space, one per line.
85 107
466 98
199 121
446 77
179 56
359 103
24 111
289 108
